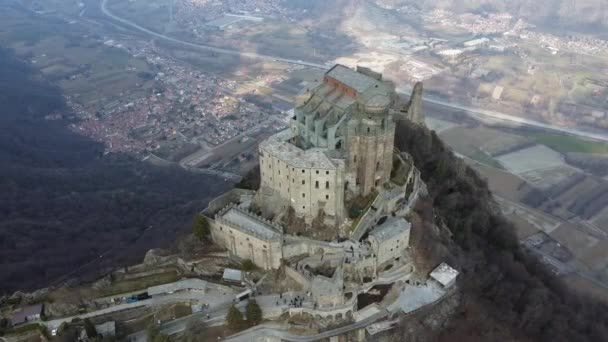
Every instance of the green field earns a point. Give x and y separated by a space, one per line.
564 143
483 158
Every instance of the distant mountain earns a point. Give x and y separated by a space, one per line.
582 15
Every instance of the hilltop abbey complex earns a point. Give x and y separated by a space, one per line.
334 195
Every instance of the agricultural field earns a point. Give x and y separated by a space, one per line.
85 67
471 142
538 164
564 143
151 14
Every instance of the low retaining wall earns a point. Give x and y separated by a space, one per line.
343 311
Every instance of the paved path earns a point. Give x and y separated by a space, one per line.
216 297
276 331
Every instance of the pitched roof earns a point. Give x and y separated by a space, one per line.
351 78
390 229
250 224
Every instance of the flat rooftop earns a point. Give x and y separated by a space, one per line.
232 275
251 225
444 274
313 158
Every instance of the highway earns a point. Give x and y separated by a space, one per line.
475 112
251 55
482 113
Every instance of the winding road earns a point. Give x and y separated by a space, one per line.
251 55
474 112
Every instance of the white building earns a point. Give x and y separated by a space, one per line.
445 275
390 239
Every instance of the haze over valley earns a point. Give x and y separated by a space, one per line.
126 125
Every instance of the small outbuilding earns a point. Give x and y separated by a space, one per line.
232 275
106 329
445 275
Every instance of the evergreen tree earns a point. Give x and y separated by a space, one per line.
200 227
90 328
248 265
152 332
234 318
253 313
161 338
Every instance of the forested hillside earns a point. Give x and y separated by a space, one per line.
507 293
63 205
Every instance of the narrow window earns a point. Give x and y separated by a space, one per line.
316 184
326 197
317 171
368 130
326 172
355 159
303 195
378 166
303 170
303 182
326 185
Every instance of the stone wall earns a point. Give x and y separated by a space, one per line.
295 246
224 200
307 190
299 278
266 254
346 310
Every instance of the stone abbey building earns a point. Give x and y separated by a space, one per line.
339 145
337 155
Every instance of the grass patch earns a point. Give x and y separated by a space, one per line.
565 143
483 158
28 328
360 206
131 285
